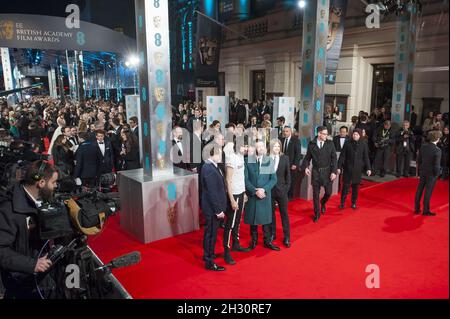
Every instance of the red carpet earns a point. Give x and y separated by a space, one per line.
326 260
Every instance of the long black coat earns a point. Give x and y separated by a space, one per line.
324 161
354 160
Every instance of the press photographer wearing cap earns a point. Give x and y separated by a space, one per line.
19 239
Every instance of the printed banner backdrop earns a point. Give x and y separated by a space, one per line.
404 65
47 32
285 106
217 109
338 9
315 31
208 46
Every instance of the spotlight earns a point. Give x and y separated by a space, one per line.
301 4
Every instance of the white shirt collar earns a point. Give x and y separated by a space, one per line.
38 203
214 163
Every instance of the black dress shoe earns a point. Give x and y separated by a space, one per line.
272 246
417 212
429 214
240 249
252 245
215 267
287 243
316 218
341 206
323 209
354 206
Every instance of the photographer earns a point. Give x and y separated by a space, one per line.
19 239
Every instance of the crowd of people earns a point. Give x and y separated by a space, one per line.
250 164
86 140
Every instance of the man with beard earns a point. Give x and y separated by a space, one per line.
19 238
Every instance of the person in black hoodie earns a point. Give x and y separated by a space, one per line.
354 160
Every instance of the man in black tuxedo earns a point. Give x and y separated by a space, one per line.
280 126
105 150
194 120
340 140
279 192
87 158
214 205
324 160
180 151
291 147
405 149
133 121
429 161
116 142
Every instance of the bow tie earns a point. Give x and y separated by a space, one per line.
101 143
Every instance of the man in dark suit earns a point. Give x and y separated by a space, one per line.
180 151
279 192
280 126
340 140
241 113
133 121
291 147
429 161
116 142
214 205
383 140
87 158
324 160
405 149
194 120
105 150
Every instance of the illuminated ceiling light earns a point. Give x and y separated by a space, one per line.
301 4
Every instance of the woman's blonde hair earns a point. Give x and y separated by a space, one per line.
273 142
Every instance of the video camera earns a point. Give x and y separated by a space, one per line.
67 221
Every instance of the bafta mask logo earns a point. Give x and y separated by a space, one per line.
308 54
318 118
207 50
160 129
306 131
334 21
172 214
158 58
160 94
157 22
306 105
6 30
397 107
309 27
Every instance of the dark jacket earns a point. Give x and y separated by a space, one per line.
19 243
292 151
131 159
63 159
337 142
429 160
324 161
402 137
383 138
354 160
283 176
87 159
214 195
106 160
